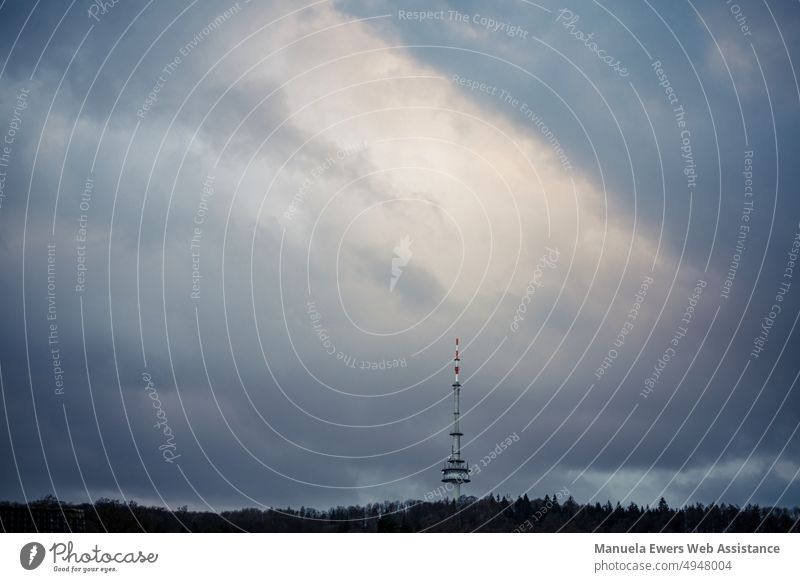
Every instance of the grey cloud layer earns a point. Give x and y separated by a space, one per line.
271 416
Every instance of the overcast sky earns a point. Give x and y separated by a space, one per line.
238 241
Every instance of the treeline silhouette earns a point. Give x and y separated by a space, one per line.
489 514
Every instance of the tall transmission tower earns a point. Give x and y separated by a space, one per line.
456 470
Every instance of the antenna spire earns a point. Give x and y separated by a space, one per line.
455 469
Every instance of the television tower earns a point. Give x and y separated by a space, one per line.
455 469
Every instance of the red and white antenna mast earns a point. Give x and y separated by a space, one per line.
455 469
